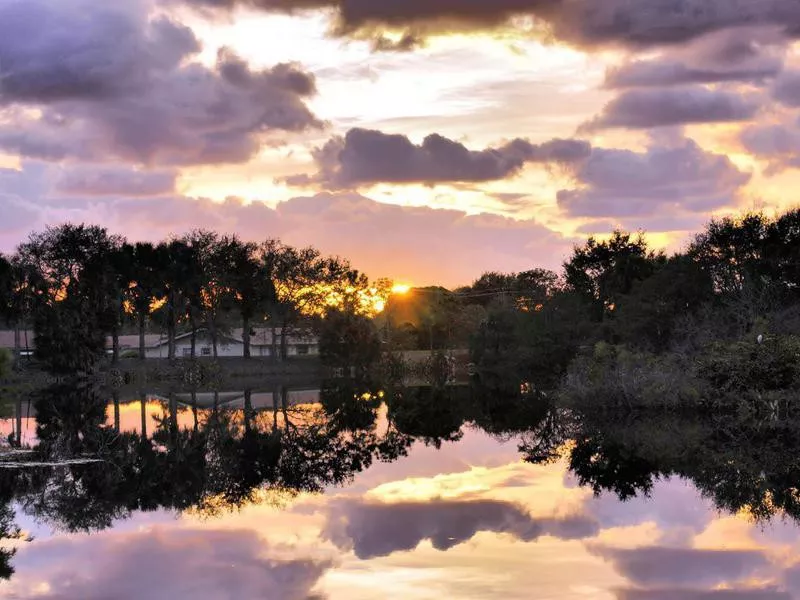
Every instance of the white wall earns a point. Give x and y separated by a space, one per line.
294 350
203 348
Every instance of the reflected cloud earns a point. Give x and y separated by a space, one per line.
163 563
656 565
374 529
678 594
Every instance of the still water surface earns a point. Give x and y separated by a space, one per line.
411 494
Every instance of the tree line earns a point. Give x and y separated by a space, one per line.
632 325
620 316
77 285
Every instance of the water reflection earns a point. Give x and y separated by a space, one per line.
364 489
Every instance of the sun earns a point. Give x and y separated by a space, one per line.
401 288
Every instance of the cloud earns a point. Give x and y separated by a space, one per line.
644 23
746 54
162 563
365 157
645 108
779 145
112 82
100 180
787 89
624 183
647 23
678 508
369 19
380 239
656 566
17 215
53 50
379 529
683 594
655 73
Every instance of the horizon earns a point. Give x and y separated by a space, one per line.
491 138
402 286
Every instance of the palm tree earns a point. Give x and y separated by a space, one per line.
251 286
179 266
146 284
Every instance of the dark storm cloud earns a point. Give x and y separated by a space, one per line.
380 529
684 594
365 157
646 108
112 84
641 23
624 183
661 566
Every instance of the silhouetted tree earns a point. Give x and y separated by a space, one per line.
601 272
72 285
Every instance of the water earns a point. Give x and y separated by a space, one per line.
359 492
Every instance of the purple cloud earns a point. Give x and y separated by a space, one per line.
624 183
52 50
224 564
365 157
647 23
779 145
381 529
655 566
104 180
644 23
684 594
656 73
787 89
748 54
646 108
112 82
381 239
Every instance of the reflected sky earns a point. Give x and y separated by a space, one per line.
470 520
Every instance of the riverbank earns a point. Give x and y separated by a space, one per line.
211 373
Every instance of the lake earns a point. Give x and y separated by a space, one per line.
350 490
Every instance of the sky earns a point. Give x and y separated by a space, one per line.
469 521
427 141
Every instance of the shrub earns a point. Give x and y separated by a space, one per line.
773 365
613 376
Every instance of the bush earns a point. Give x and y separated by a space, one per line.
773 365
613 376
348 340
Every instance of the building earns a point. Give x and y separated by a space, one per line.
299 343
231 344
